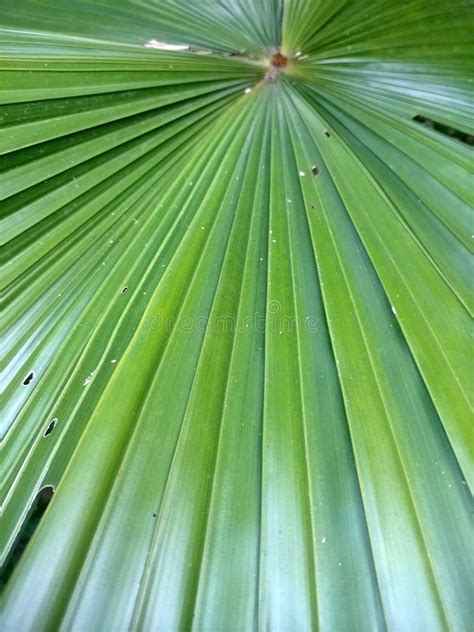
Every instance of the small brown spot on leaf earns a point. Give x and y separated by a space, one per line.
278 60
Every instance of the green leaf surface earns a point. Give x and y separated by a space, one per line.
236 315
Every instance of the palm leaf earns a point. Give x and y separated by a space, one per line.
237 308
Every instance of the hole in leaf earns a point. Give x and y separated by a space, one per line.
441 128
124 289
314 171
28 378
327 134
51 427
36 512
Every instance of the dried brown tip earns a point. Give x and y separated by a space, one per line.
278 60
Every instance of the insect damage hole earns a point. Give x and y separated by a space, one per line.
27 530
327 134
314 170
29 377
51 427
124 289
446 130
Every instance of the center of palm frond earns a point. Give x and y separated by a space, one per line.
277 62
